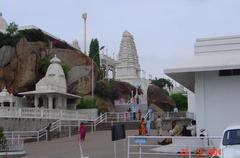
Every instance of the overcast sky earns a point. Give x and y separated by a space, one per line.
164 30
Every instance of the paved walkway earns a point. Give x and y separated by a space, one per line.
97 145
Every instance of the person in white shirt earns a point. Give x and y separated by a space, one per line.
158 125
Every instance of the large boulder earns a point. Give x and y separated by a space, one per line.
6 53
20 70
104 105
27 58
157 98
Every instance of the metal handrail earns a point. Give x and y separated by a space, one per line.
143 145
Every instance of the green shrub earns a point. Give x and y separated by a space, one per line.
180 100
8 40
44 64
87 104
2 137
33 35
65 68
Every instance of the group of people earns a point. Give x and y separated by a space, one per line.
176 130
145 127
133 115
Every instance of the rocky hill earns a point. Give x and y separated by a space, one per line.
158 99
19 67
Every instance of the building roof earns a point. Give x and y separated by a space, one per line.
3 23
49 92
211 54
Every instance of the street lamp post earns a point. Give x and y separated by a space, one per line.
84 16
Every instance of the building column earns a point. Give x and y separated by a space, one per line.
59 103
50 102
45 102
11 103
36 100
2 105
64 102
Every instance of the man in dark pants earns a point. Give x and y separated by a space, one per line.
48 131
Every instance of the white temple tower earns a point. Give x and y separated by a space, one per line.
128 68
3 24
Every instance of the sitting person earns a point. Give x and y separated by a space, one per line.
175 131
186 132
192 128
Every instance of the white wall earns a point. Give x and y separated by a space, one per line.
191 103
217 101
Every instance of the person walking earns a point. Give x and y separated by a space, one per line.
158 125
148 125
142 127
82 135
82 132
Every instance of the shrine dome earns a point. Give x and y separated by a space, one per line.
4 92
3 23
54 79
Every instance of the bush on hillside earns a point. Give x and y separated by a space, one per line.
180 100
87 104
44 64
33 35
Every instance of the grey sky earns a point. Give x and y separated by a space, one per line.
164 30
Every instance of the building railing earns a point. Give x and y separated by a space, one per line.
12 145
137 146
173 115
45 113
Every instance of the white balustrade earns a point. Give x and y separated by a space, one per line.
6 112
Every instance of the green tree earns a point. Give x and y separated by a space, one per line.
12 28
181 101
45 62
94 51
87 103
162 83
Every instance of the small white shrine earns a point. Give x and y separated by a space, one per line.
8 100
51 90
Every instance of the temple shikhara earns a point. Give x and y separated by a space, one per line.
128 67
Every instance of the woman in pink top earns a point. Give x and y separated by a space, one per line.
82 132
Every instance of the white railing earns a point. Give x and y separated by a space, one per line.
173 115
181 146
12 145
45 114
123 116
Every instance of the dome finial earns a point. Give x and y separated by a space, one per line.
55 59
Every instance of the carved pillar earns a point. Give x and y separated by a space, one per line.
36 100
50 102
64 102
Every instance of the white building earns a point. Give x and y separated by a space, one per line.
8 100
213 75
3 24
128 68
51 90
